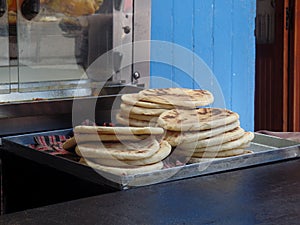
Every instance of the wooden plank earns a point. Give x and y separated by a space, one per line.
294 110
183 20
243 62
285 95
223 47
297 68
161 29
203 30
203 33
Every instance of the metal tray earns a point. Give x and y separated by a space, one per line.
266 149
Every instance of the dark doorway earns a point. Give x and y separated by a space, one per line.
277 77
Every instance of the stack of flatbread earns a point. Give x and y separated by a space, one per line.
205 133
143 109
121 150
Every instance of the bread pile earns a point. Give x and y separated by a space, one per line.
205 133
161 125
143 109
197 133
121 150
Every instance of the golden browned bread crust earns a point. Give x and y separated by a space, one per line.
75 7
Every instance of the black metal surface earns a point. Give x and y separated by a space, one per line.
45 179
268 194
28 184
17 146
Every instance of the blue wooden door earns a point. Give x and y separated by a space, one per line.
221 32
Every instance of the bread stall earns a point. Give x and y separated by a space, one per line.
50 55
79 120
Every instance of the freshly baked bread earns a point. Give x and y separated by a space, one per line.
128 109
89 137
177 97
235 134
123 171
74 7
133 99
224 154
221 154
118 130
176 137
196 119
161 154
134 122
122 150
242 142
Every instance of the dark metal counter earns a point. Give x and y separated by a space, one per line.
266 194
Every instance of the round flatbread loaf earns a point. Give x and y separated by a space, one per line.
139 117
69 143
161 154
222 154
222 147
196 119
118 130
133 99
85 137
177 97
122 151
176 137
215 140
133 122
124 171
242 141
198 160
128 109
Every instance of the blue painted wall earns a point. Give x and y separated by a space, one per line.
221 32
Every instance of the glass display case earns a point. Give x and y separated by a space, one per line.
52 46
4 49
55 50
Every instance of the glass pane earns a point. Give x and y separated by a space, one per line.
4 53
57 46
